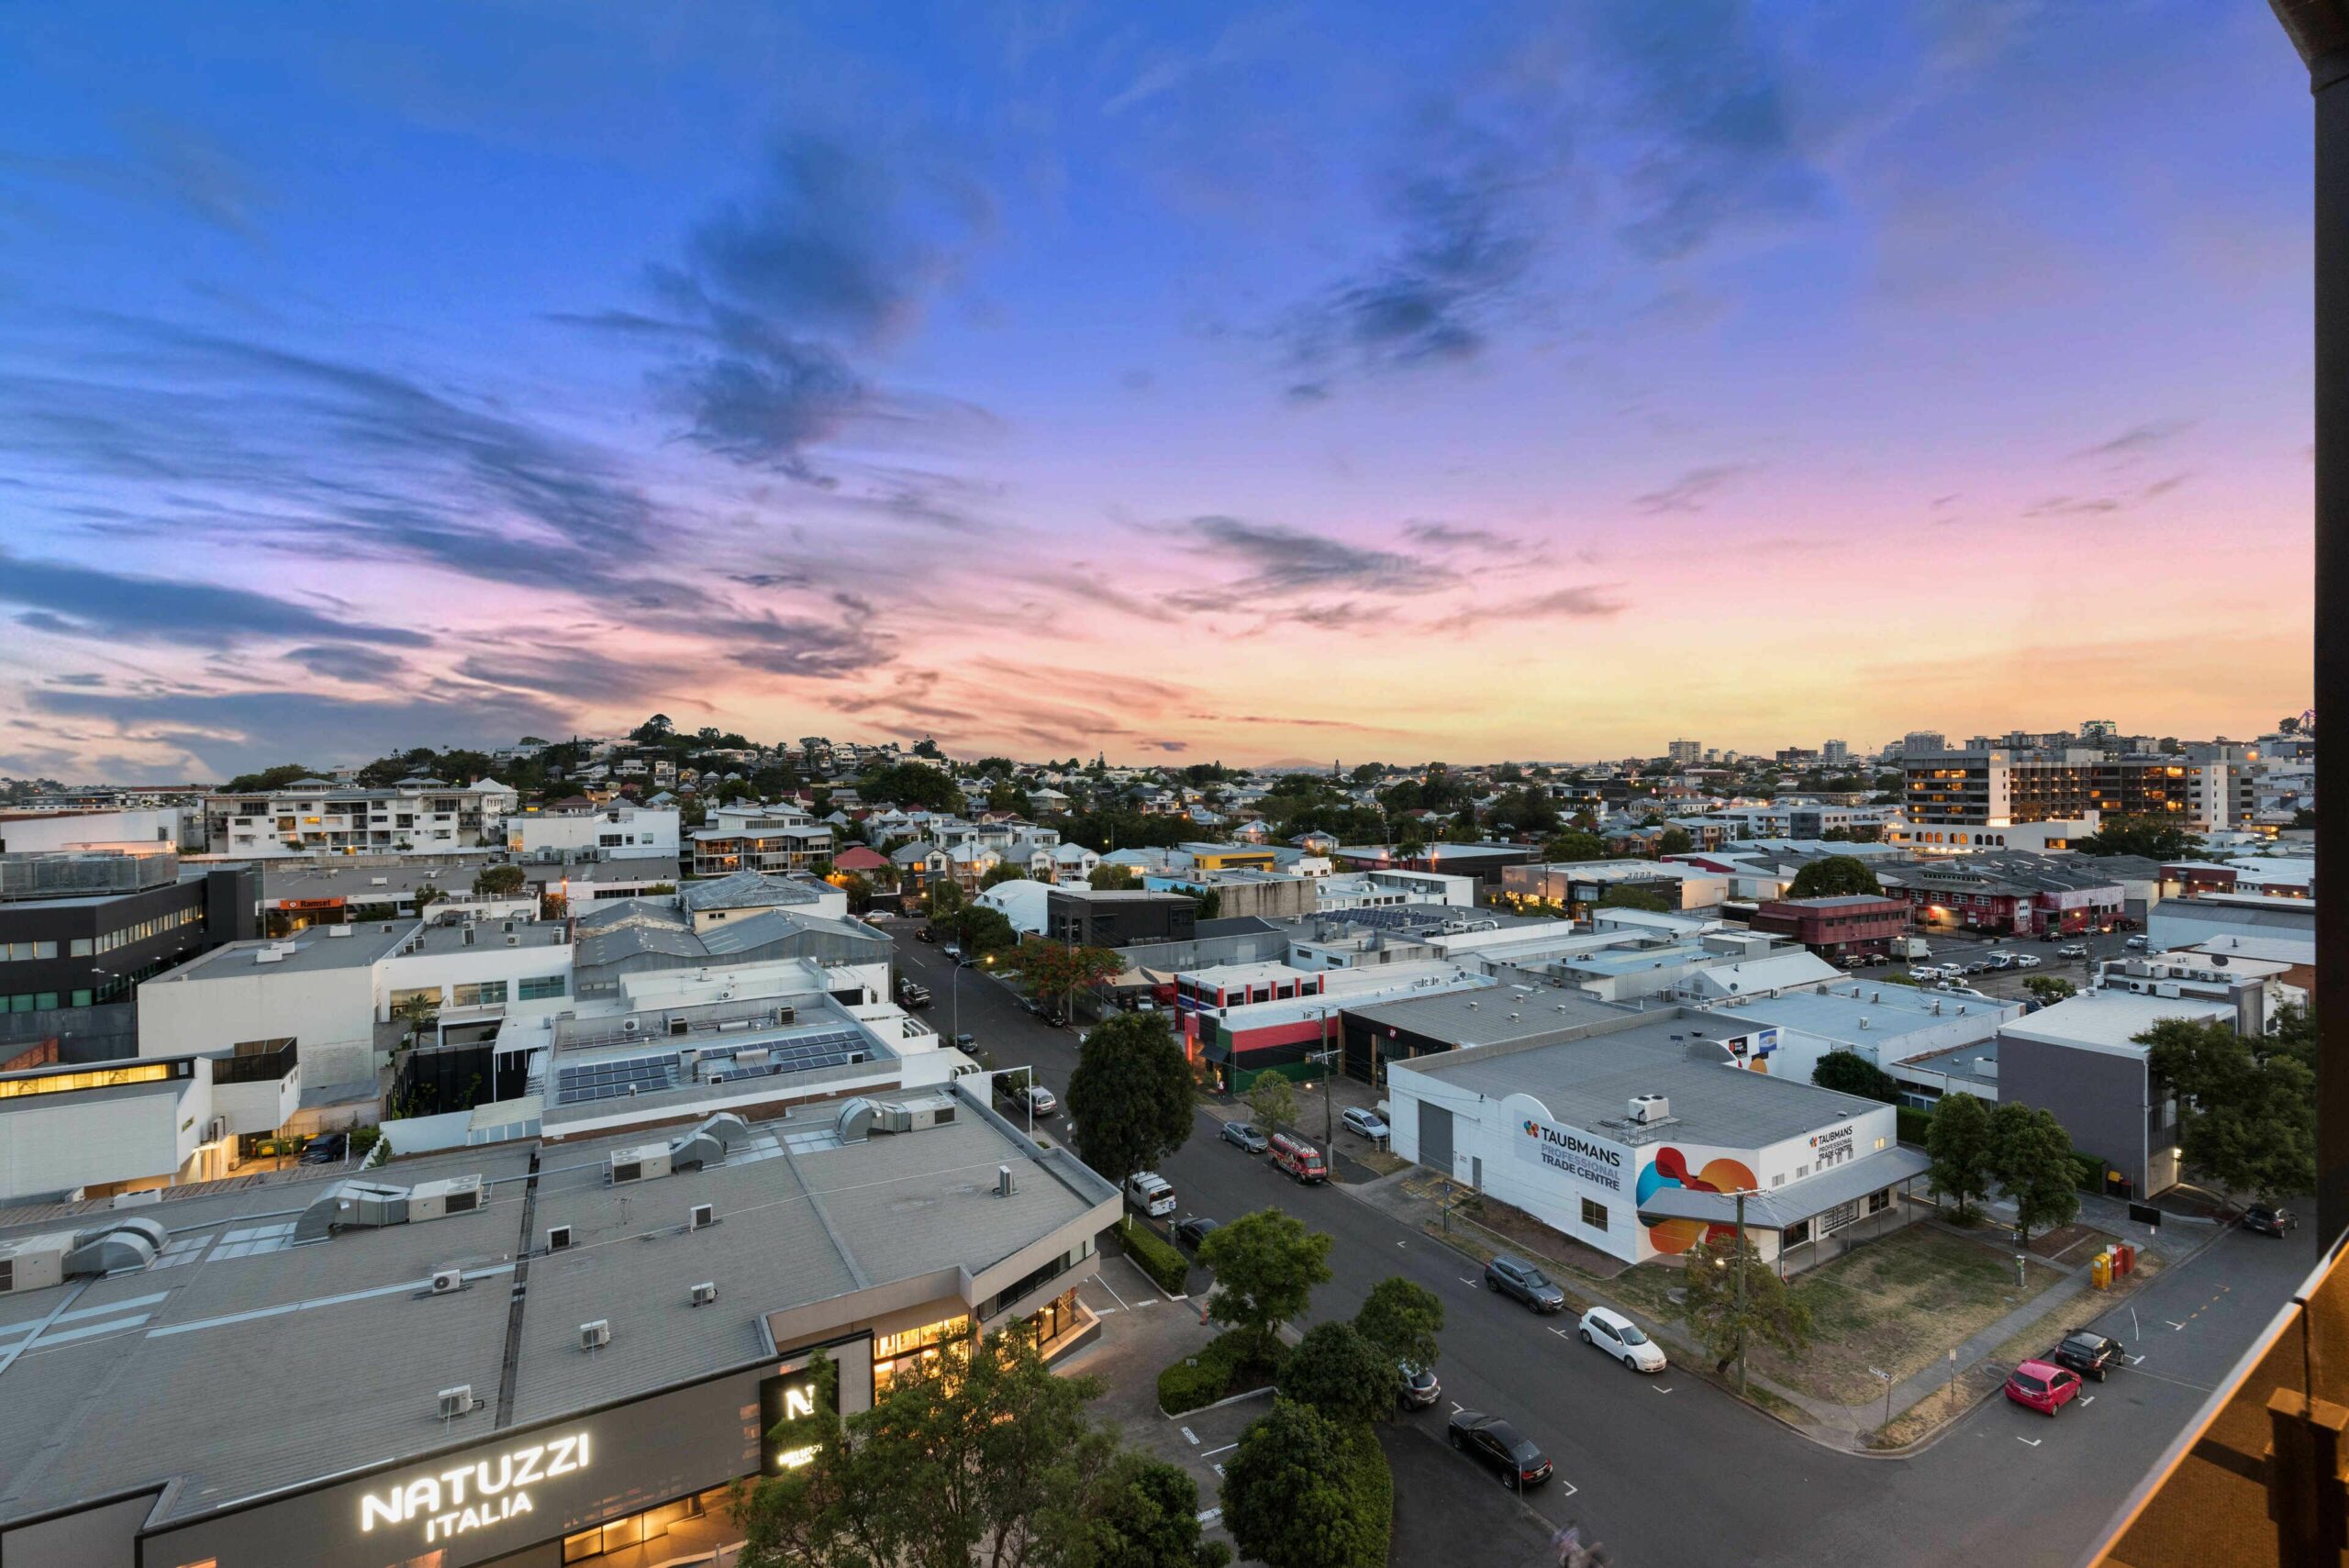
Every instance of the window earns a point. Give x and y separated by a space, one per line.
539 988
1594 1215
480 994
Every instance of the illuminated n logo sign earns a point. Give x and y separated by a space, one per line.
798 1401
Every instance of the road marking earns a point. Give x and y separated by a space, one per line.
1562 1333
1457 1407
1213 1451
2177 1325
1659 1387
1209 1516
2133 1361
2087 1398
2032 1441
1559 1480
1399 1244
1112 1289
1189 1436
1466 1280
1219 1469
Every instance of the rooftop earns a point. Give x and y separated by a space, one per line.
1882 1014
309 952
96 1401
2109 1021
1587 1082
1492 1015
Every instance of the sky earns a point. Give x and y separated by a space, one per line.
1253 382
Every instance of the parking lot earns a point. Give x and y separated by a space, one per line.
1966 948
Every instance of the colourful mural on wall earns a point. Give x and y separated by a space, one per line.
1670 1169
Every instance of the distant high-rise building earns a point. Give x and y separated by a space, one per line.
1836 753
1924 743
1686 754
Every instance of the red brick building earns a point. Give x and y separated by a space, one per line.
1853 925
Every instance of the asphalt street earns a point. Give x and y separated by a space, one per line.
1668 1470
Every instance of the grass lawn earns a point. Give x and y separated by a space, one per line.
1899 1305
1386 1165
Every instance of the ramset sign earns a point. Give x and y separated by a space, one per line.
475 1495
1587 1159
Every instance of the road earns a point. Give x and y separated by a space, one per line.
1671 1471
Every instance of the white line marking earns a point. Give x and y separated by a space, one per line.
1465 1279
1189 1436
1457 1405
1659 1387
1562 1333
1112 1289
2174 1326
1210 1453
2032 1441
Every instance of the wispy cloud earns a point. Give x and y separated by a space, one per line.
223 734
1693 490
86 602
1275 559
2139 441
1452 536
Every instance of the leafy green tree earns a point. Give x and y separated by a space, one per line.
2246 1103
1210 903
1271 1102
1284 1497
1959 1142
2031 1159
1525 810
2048 989
499 881
268 780
1852 1074
1130 1096
1111 879
859 888
1002 872
1143 1513
1339 1373
911 786
1627 896
1367 773
980 1460
1563 848
1837 876
945 898
2151 836
1709 1305
983 930
1402 1319
1675 841
1265 1266
1050 969
426 896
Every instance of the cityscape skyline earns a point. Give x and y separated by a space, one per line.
1057 385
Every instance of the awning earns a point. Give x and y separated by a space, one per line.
1782 1207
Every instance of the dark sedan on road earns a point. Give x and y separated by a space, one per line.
1500 1448
1516 1277
1192 1229
2092 1355
1248 1138
2269 1220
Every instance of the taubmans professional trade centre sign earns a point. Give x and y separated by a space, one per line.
1574 1151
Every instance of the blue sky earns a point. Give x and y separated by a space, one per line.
1241 381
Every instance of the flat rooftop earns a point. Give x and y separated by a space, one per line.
309 951
350 1343
352 878
1888 1011
1491 1016
2109 1021
1588 1083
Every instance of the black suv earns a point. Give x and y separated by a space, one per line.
2271 1221
1515 1276
1500 1448
2091 1355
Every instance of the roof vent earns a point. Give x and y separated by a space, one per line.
593 1337
706 1294
1003 1181
1648 1110
558 1238
855 1121
1864 1020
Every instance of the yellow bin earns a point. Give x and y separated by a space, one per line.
2100 1271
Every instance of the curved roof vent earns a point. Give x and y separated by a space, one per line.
855 1122
111 1249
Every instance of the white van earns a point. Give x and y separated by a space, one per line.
1150 1193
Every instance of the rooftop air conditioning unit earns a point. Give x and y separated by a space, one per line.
445 1281
593 1337
558 1238
629 1026
457 1401
1648 1110
512 941
701 1217
706 1294
437 1200
647 1163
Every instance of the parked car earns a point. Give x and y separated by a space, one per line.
2002 960
1516 1277
2073 949
2026 960
2270 1220
1192 1229
964 1041
1500 1448
2042 1386
1368 1123
1031 1097
1415 1387
2137 944
1299 1159
927 934
951 951
1925 975
324 1151
1622 1339
2089 1354
1978 967
1150 1193
1245 1137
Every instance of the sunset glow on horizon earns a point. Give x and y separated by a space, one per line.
1540 382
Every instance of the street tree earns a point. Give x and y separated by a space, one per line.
1130 1096
1959 1142
499 881
1339 1373
1675 841
1142 1512
1051 969
2048 989
1852 1074
1402 1319
1271 1102
984 930
1732 1300
945 898
1284 1497
2246 1103
2148 836
1574 845
984 1459
1837 876
2030 1158
1626 895
1111 879
1265 1266
1000 873
426 896
859 889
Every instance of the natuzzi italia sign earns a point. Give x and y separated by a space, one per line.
478 1492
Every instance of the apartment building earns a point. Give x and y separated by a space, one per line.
612 833
316 816
1998 787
